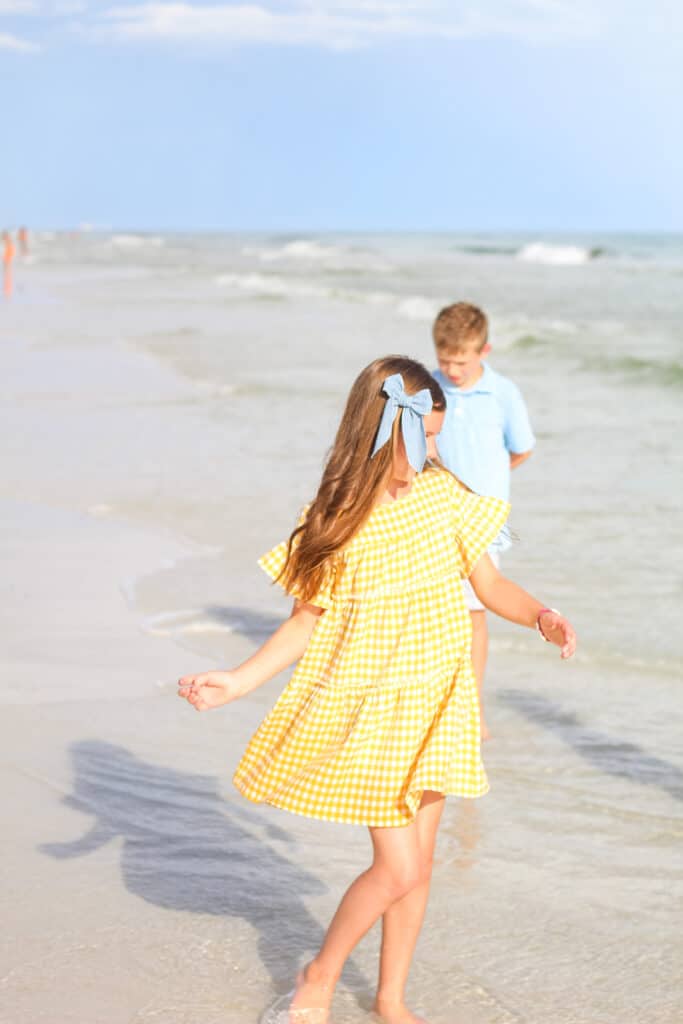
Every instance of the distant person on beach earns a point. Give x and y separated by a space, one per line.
22 238
486 433
8 253
380 720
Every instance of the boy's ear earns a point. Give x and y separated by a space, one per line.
486 349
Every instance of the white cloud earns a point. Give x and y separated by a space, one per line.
65 8
44 8
17 7
37 10
9 42
348 25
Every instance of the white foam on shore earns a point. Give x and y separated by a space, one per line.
186 621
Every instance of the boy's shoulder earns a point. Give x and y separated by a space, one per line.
498 382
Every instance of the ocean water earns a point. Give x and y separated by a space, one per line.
272 331
185 389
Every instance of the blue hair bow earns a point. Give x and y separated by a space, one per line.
415 407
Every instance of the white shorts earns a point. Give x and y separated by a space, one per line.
471 599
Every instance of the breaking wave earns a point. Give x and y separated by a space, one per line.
557 255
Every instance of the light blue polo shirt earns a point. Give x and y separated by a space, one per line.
483 425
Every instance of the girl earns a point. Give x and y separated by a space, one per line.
380 720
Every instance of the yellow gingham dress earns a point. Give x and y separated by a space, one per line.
383 704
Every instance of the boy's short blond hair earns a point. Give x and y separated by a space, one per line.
460 326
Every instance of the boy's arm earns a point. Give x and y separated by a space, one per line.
519 437
517 458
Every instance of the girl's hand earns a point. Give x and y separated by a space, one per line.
559 631
208 690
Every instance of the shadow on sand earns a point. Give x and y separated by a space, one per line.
607 754
186 848
254 625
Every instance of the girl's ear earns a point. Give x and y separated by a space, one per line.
486 349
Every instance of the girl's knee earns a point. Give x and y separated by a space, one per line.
404 882
401 879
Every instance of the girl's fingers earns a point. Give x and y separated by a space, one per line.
569 638
196 679
562 633
191 684
188 688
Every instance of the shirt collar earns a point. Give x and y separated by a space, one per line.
484 385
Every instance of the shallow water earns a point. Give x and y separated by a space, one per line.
167 403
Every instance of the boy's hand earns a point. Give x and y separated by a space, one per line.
559 631
208 690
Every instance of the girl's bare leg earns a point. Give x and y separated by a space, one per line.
402 921
395 871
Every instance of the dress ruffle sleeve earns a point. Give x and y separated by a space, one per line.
273 562
479 521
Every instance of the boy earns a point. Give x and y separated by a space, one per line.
485 434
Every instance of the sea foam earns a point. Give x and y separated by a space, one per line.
555 255
314 254
271 286
136 241
418 307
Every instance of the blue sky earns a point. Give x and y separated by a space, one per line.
362 115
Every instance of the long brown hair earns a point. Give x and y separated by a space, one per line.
352 479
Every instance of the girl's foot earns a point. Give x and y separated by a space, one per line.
307 1016
396 1013
312 997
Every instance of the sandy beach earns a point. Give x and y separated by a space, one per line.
161 431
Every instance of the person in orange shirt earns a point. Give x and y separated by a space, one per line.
8 253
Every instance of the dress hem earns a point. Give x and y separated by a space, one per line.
348 819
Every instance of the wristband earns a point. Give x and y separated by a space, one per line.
538 621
